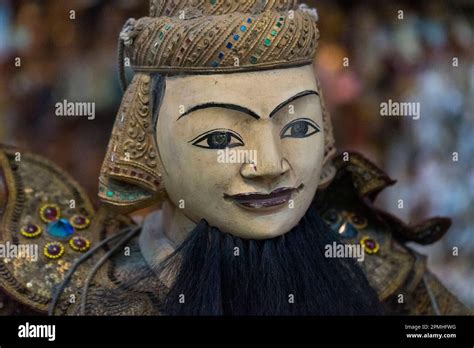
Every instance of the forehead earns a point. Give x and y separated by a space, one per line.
259 91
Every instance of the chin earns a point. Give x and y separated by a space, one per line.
265 227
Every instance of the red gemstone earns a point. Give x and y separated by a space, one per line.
31 228
370 243
79 242
79 220
50 213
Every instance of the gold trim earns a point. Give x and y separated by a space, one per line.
174 70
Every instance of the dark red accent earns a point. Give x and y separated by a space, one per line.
51 213
79 220
370 243
79 242
31 228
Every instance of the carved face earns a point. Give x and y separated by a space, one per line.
243 151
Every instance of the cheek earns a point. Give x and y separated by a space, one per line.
191 173
305 157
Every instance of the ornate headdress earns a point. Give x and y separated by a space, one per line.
196 37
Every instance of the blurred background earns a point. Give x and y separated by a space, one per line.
409 59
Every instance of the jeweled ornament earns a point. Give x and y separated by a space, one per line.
49 213
31 231
79 244
60 229
79 222
370 245
346 230
358 221
53 250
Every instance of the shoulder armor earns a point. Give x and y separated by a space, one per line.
46 223
347 206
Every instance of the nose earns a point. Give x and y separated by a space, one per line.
268 163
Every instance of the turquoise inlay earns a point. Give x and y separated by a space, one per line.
60 228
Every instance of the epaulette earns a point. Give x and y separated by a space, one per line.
47 223
347 206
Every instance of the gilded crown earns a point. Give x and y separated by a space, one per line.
206 36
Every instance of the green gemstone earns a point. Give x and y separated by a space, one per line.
213 2
168 26
161 35
110 194
279 24
273 33
267 42
253 60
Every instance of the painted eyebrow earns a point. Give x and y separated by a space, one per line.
293 98
246 110
221 105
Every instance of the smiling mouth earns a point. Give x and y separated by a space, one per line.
257 200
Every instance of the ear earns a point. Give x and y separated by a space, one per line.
327 174
130 177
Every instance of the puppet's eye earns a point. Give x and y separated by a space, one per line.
300 128
218 139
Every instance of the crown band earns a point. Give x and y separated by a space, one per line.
225 43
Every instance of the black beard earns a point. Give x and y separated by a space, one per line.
220 274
